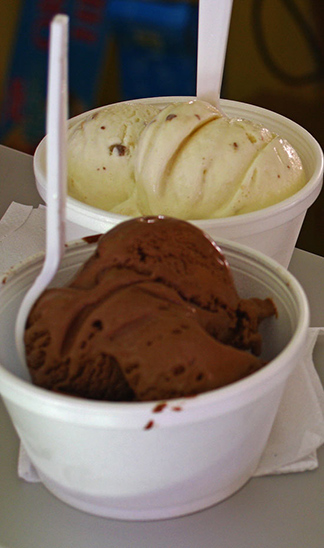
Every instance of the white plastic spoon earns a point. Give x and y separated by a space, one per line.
213 27
56 117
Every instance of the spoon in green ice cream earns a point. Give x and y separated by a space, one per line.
213 27
56 117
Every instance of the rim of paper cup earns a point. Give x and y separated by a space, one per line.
92 410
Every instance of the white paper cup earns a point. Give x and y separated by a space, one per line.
127 461
273 230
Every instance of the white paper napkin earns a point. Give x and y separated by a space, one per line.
298 430
22 233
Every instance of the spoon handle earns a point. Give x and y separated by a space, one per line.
56 121
214 22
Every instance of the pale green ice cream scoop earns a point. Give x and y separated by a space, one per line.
100 153
216 168
186 160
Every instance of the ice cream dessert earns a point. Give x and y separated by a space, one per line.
153 314
101 151
183 159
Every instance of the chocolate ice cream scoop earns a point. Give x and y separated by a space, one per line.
153 314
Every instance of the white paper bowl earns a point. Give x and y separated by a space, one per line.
127 461
273 230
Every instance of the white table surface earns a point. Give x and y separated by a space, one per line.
272 512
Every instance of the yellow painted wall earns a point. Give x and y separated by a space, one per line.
9 10
249 79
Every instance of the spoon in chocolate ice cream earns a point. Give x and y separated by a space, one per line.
214 21
56 117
